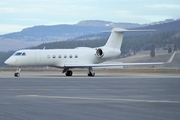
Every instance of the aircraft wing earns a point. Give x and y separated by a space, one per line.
119 64
107 65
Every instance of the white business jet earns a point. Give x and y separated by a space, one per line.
81 57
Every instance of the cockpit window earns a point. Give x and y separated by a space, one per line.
23 54
18 54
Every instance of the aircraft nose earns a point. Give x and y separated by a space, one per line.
9 61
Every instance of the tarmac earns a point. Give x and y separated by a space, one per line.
116 96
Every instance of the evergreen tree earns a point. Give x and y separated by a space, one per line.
169 49
175 47
152 53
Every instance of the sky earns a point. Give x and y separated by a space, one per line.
19 14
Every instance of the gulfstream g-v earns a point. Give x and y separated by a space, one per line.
67 59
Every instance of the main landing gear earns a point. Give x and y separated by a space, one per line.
68 72
17 73
91 73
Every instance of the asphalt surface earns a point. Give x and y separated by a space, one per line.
52 96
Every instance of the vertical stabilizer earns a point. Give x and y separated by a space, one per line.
115 39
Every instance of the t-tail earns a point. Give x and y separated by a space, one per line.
116 37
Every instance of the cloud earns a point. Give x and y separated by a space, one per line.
165 6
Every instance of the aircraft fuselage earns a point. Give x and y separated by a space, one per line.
60 57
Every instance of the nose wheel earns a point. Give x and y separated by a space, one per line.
17 73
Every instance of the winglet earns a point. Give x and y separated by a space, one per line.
171 58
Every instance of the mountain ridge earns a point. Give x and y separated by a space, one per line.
35 35
107 23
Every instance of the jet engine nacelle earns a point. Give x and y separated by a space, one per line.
106 52
99 53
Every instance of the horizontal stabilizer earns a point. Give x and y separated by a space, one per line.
125 30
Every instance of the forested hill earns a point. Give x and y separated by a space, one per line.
135 43
162 27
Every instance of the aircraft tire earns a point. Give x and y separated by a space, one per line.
69 73
16 74
91 74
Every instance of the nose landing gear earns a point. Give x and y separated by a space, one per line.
17 73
